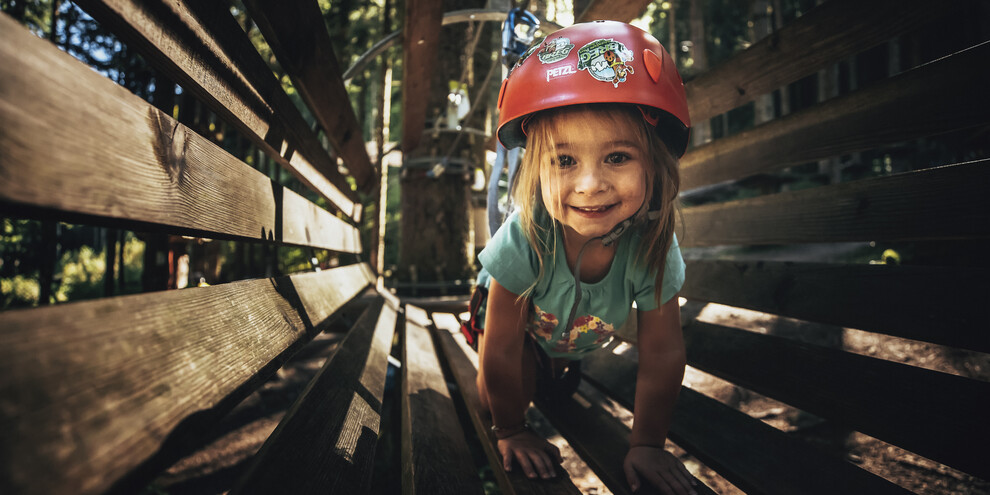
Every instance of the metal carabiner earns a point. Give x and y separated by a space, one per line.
518 32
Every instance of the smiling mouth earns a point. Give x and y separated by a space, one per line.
593 209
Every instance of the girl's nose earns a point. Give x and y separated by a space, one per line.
590 179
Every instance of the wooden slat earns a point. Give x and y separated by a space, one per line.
941 203
326 442
752 455
238 86
880 398
465 374
613 10
936 98
435 455
295 30
598 437
90 391
420 45
827 34
934 304
75 142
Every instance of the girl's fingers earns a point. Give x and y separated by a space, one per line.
654 478
527 465
631 476
507 461
541 463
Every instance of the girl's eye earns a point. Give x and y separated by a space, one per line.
616 158
565 161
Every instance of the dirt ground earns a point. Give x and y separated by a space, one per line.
216 468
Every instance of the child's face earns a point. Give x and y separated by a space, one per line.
598 178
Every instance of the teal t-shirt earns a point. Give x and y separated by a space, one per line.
604 306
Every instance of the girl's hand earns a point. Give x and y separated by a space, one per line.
660 469
534 454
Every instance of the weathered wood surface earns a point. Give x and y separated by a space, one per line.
933 304
75 142
297 34
454 354
435 455
91 391
613 10
326 442
216 62
752 455
883 399
827 34
947 202
601 439
420 44
939 97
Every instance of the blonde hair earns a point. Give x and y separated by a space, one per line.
662 177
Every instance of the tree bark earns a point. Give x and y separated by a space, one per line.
436 218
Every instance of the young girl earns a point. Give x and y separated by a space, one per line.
602 112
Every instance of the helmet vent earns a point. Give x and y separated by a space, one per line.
653 64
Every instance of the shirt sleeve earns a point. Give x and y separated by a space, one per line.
509 259
673 280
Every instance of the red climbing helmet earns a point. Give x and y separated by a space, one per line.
596 62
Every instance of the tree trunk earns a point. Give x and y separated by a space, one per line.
435 201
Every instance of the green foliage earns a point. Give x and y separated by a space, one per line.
296 259
79 271
18 292
82 275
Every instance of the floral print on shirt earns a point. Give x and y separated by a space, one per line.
543 325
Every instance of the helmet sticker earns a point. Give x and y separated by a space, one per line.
606 60
526 55
555 50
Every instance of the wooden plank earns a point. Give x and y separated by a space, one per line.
939 97
825 35
75 142
613 10
895 300
93 393
238 86
940 203
453 354
598 437
752 455
880 398
326 442
435 455
420 44
297 34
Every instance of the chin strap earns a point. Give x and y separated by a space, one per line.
577 281
607 240
624 225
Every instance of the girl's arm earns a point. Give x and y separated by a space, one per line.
506 383
658 382
502 356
